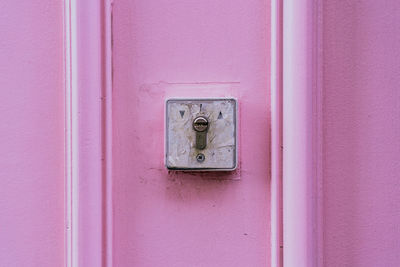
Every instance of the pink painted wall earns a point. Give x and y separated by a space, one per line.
169 219
31 136
361 146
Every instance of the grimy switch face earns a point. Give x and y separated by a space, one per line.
201 134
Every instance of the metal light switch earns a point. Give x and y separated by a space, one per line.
201 134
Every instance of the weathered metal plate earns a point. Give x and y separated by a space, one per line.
220 152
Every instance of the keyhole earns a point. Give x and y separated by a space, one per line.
200 125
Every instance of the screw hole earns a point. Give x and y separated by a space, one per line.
200 157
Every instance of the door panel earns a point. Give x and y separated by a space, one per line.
197 48
31 134
361 133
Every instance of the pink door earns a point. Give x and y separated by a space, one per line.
189 49
83 86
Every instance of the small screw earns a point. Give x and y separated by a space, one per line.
200 157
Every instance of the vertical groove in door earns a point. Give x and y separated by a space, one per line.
318 131
106 20
276 134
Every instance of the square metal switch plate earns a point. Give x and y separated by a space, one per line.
201 134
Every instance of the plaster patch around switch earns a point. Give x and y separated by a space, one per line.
220 152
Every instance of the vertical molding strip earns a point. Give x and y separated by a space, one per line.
276 134
88 133
302 133
71 135
107 132
318 131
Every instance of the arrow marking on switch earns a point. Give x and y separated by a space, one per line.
182 112
220 115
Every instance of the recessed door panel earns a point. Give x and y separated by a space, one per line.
189 49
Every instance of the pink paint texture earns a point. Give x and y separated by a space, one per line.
171 219
209 48
361 133
32 134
